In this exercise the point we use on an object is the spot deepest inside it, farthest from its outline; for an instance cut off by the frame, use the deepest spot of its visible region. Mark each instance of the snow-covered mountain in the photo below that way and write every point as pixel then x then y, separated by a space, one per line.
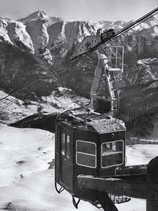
pixel 40 34
pixel 14 32
pixel 34 52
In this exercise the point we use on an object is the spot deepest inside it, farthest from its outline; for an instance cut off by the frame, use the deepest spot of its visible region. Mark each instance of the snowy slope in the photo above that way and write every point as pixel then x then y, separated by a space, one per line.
pixel 27 184
pixel 23 151
pixel 13 109
pixel 25 180
pixel 141 154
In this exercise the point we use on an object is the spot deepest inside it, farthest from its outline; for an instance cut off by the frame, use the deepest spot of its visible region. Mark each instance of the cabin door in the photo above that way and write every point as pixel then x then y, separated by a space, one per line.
pixel 66 158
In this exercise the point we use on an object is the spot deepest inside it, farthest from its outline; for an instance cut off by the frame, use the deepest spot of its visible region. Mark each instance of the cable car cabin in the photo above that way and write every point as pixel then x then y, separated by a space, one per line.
pixel 87 144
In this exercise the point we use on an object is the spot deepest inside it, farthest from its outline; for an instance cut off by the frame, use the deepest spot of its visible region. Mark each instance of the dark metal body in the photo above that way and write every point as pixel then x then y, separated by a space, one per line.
pixel 100 184
pixel 66 168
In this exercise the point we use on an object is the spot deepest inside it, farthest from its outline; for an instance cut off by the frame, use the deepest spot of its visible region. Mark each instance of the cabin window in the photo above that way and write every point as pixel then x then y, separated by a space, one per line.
pixel 112 153
pixel 65 145
pixel 86 154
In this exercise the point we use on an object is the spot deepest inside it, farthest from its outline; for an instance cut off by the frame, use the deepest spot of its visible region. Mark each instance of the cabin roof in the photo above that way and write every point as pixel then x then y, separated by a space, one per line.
pixel 102 126
pixel 100 123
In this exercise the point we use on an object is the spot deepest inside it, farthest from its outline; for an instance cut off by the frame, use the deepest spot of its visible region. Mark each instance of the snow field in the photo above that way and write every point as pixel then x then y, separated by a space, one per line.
pixel 26 183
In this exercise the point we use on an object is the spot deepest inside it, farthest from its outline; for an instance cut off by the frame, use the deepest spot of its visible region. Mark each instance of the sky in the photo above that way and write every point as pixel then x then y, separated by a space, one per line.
pixel 92 10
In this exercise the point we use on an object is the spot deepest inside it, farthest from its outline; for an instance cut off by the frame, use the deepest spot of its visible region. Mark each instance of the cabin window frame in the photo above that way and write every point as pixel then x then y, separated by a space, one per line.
pixel 94 155
pixel 112 153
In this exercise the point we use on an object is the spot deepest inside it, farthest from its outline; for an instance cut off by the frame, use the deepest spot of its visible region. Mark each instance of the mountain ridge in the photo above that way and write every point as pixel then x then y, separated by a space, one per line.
pixel 37 47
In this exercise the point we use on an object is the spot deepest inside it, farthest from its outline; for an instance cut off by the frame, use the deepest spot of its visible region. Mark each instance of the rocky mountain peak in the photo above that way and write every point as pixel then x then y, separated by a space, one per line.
pixel 39 15
pixel 3 31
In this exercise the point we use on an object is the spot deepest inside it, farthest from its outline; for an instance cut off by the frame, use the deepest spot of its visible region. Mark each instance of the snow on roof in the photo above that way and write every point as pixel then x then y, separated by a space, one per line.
pixel 107 125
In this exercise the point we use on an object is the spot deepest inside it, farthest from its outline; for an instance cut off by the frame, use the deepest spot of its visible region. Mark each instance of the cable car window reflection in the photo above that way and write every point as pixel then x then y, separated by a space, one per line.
pixel 68 153
pixel 86 154
pixel 112 153
pixel 63 145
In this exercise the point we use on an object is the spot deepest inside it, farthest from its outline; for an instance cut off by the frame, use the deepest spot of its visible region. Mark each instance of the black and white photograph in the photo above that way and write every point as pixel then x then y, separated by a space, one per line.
pixel 79 105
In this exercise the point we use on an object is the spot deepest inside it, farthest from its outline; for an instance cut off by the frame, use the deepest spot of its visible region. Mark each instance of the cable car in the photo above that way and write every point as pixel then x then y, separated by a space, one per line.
pixel 87 144
pixel 92 145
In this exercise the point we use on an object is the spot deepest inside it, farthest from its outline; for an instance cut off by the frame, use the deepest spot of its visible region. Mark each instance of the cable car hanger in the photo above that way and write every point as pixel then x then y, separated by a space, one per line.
pixel 92 44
